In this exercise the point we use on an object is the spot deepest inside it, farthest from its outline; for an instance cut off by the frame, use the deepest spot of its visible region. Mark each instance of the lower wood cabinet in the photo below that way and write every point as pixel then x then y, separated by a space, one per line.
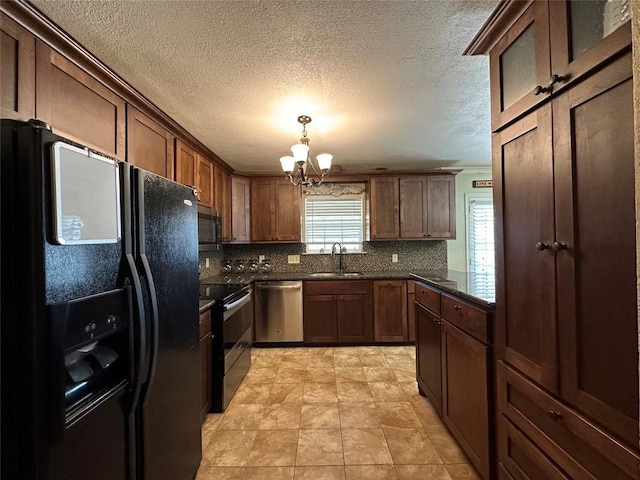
pixel 465 394
pixel 390 310
pixel 205 361
pixel 429 355
pixel 453 370
pixel 337 312
pixel 521 458
pixel 562 437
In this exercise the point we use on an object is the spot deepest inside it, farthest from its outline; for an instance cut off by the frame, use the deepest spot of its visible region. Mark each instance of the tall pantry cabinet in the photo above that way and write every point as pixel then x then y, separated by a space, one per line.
pixel 566 311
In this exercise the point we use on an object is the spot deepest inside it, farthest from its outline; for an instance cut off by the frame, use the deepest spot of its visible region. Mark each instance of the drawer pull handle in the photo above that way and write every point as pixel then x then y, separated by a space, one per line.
pixel 555 415
pixel 457 308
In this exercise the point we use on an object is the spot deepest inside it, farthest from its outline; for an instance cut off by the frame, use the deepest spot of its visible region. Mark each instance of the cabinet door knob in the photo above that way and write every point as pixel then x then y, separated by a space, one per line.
pixel 542 246
pixel 555 78
pixel 457 308
pixel 555 415
pixel 557 246
pixel 540 89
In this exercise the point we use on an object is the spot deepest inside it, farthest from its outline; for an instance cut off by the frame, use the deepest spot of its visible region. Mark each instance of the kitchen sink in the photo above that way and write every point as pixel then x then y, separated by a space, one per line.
pixel 335 274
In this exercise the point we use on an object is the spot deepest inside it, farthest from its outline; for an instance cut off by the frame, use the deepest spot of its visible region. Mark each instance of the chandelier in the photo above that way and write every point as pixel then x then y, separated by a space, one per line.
pixel 294 167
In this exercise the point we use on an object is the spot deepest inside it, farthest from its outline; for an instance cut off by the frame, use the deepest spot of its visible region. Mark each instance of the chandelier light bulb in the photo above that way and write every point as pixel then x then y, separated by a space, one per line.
pixel 324 161
pixel 300 152
pixel 288 164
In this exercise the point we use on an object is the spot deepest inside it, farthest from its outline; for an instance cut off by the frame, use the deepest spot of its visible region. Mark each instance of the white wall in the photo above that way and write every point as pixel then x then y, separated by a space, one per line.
pixel 457 249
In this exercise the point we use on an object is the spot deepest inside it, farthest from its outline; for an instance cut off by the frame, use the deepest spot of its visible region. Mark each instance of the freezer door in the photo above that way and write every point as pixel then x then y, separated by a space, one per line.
pixel 167 257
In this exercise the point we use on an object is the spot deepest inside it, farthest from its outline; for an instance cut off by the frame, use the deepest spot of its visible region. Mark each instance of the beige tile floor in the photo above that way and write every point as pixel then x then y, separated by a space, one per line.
pixel 343 413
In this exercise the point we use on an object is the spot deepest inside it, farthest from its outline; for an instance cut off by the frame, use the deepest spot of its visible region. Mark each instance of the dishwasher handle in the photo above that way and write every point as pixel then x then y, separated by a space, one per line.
pixel 278 287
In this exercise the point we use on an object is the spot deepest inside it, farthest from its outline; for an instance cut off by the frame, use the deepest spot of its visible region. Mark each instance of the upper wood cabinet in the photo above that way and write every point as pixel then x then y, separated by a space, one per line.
pixel 222 192
pixel 548 45
pixel 240 209
pixel 18 79
pixel 186 164
pixel 205 182
pixel 79 107
pixel 413 207
pixel 149 145
pixel 275 211
pixel 385 208
pixel 390 311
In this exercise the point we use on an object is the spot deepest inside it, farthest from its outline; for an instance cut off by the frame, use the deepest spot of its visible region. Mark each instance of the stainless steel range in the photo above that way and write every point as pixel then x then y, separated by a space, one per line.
pixel 231 328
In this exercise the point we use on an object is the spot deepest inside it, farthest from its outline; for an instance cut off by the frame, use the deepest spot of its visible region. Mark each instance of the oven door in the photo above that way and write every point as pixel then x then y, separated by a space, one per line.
pixel 238 319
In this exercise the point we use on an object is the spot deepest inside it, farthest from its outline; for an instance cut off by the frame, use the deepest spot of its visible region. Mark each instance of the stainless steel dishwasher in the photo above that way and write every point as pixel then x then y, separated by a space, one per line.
pixel 278 317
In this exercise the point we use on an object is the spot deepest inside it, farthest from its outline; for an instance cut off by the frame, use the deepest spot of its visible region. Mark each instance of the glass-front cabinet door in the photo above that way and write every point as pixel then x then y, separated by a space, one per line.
pixel 520 66
pixel 584 34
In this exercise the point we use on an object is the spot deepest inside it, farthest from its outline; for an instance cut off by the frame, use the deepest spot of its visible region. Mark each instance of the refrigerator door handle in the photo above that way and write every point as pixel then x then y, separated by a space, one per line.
pixel 155 320
pixel 142 345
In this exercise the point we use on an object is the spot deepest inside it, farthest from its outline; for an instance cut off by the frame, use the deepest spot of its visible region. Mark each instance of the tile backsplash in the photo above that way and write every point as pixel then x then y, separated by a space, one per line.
pixel 412 255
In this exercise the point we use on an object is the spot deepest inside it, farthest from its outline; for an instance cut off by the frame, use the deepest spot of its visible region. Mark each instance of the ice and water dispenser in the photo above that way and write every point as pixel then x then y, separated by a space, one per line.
pixel 91 353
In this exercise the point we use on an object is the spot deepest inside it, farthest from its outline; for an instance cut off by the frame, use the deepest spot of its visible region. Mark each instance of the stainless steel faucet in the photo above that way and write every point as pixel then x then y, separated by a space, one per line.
pixel 333 254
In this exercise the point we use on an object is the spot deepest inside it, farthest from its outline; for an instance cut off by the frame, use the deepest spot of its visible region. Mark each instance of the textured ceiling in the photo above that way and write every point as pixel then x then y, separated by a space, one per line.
pixel 384 81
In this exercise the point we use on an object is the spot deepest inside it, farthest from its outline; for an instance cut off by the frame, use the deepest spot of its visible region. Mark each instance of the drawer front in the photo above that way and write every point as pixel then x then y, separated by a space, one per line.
pixel 332 287
pixel 520 458
pixel 470 319
pixel 427 297
pixel 580 448
pixel 205 323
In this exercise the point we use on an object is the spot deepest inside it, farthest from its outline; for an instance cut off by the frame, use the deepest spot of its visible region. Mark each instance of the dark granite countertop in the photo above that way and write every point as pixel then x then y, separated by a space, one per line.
pixel 467 285
pixel 470 286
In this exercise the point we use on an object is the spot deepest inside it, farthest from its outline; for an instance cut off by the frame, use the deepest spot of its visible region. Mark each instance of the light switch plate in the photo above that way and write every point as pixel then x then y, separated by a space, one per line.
pixel 394 257
pixel 293 258
pixel 260 258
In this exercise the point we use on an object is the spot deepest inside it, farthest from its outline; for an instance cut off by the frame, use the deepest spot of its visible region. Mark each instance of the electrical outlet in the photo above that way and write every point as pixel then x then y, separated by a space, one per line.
pixel 260 258
pixel 206 262
pixel 394 257
pixel 293 258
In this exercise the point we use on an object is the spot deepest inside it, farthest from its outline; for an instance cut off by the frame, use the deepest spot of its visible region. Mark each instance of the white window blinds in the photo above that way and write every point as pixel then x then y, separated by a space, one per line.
pixel 329 219
pixel 481 246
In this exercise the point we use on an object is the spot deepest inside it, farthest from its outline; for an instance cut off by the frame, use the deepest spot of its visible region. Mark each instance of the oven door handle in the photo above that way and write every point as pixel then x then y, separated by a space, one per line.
pixel 233 307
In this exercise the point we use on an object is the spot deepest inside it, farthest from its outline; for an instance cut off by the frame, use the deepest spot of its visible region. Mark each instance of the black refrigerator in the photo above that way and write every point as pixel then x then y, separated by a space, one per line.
pixel 100 368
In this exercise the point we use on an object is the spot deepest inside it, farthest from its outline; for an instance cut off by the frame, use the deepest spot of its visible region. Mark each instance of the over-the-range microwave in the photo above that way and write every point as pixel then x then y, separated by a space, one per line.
pixel 209 229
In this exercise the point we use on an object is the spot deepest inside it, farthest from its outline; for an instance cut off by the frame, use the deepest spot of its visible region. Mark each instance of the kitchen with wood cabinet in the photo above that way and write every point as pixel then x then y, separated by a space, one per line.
pixel 562 131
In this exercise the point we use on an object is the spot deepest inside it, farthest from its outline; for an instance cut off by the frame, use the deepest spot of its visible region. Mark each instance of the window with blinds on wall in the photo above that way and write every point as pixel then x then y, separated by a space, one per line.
pixel 329 219
pixel 480 244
